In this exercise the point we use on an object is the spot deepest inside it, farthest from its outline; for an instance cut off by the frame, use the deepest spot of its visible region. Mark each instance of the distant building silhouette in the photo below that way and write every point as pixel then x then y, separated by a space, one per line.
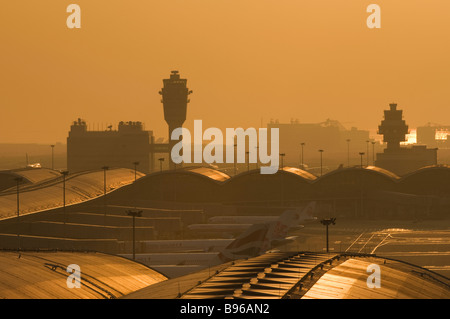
pixel 90 150
pixel 87 150
pixel 397 159
pixel 434 135
pixel 329 135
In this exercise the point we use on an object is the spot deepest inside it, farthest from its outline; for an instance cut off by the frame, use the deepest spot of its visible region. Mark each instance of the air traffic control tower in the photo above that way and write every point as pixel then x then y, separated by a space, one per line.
pixel 393 127
pixel 396 158
pixel 175 99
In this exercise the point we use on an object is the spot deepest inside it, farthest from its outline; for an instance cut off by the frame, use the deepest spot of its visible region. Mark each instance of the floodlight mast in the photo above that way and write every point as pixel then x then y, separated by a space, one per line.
pixel 134 214
pixel 327 222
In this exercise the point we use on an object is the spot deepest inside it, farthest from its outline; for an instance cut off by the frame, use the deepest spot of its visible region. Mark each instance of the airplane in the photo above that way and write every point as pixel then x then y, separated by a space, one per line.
pixel 211 245
pixel 233 224
pixel 219 228
pixel 188 245
pixel 241 219
pixel 254 241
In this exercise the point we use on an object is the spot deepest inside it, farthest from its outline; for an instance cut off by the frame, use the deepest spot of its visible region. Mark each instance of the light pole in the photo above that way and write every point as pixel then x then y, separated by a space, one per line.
pixel 248 160
pixel 53 157
pixel 134 214
pixel 321 152
pixel 361 154
pixel 373 153
pixel 327 222
pixel 303 166
pixel 161 160
pixel 64 174
pixel 18 181
pixel 348 152
pixel 282 161
pixel 234 159
pixel 105 168
pixel 367 152
pixel 135 169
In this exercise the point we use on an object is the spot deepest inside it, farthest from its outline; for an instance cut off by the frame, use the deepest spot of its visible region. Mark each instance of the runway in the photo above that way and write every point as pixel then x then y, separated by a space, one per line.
pixel 426 244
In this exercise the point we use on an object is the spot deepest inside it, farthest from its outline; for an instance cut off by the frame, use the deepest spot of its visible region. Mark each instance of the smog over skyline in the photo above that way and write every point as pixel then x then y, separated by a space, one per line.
pixel 192 150
pixel 249 61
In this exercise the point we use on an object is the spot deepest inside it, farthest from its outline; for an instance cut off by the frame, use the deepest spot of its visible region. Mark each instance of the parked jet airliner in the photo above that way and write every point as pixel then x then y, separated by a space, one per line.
pixel 256 240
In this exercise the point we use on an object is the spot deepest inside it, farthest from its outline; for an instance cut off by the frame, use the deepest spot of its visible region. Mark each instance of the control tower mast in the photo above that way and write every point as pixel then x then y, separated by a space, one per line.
pixel 175 99
pixel 393 127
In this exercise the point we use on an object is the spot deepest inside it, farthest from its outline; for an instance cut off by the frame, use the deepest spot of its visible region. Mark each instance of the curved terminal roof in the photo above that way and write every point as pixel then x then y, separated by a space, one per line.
pixel 432 170
pixel 304 174
pixel 347 182
pixel 43 275
pixel 383 171
pixel 35 175
pixel 269 276
pixel 187 184
pixel 290 171
pixel 440 167
pixel 205 184
pixel 368 170
pixel 252 186
pixel 208 172
pixel 30 176
pixel 397 281
pixel 432 180
pixel 294 275
pixel 79 187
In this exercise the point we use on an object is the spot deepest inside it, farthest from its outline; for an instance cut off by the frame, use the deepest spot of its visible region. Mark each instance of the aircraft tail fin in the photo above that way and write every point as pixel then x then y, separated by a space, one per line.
pixel 289 219
pixel 259 238
pixel 247 244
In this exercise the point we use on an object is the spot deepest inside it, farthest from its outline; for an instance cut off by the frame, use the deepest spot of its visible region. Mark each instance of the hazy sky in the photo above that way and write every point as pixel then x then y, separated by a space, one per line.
pixel 245 60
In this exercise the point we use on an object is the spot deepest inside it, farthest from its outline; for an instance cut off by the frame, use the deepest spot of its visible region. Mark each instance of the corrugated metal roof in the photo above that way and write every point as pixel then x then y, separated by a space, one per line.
pixel 209 172
pixel 429 168
pixel 398 281
pixel 383 171
pixel 79 187
pixel 365 170
pixel 29 175
pixel 269 276
pixel 304 174
pixel 42 275
pixel 172 288
pixel 35 175
pixel 303 274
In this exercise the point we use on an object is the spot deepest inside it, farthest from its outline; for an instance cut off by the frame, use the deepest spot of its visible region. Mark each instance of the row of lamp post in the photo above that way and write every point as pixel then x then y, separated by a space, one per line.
pixel 362 153
pixel 348 155
pixel 65 173
pixel 282 155
pixel 136 213
pixel 161 160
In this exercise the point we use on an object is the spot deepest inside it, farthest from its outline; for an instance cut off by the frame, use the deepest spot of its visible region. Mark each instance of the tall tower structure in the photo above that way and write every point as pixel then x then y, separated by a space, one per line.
pixel 397 159
pixel 393 127
pixel 175 99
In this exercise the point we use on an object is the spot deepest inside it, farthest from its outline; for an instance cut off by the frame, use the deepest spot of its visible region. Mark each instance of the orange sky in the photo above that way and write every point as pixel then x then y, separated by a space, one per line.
pixel 244 60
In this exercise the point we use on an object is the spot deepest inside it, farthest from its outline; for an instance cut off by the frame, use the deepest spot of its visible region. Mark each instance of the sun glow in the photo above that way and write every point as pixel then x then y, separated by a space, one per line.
pixel 411 138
